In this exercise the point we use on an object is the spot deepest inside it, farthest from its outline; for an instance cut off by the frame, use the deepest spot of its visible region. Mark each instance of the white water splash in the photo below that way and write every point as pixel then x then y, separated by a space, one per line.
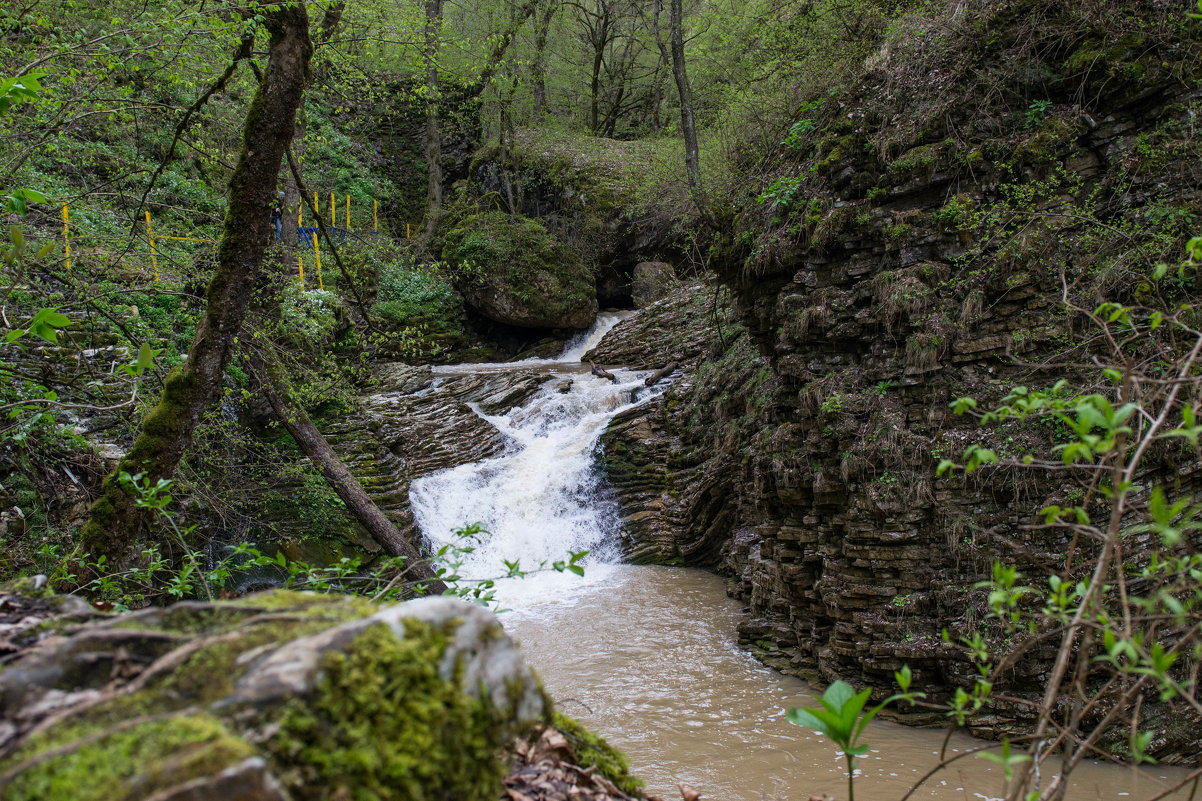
pixel 577 346
pixel 543 498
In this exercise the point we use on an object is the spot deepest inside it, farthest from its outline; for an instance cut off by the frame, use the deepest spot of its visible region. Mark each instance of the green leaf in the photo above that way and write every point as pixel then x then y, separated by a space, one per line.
pixel 903 678
pixel 837 695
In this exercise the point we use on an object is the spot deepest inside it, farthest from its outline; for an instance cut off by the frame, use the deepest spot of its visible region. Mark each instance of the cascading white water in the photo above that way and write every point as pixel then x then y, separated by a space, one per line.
pixel 646 656
pixel 542 499
pixel 577 346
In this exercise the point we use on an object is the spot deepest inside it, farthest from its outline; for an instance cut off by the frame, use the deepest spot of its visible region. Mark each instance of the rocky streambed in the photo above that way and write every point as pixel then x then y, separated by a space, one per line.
pixel 650 656
pixel 287 696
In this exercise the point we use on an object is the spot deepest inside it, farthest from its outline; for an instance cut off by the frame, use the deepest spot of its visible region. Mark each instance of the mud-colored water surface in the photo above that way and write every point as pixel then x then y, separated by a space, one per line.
pixel 646 656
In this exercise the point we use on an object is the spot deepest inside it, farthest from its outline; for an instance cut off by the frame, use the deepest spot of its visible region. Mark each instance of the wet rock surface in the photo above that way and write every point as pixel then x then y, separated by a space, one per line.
pixel 261 698
pixel 675 328
pixel 418 422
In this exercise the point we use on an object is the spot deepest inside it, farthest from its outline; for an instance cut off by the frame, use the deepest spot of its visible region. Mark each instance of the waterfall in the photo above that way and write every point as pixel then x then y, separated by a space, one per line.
pixel 576 347
pixel 544 497
pixel 647 655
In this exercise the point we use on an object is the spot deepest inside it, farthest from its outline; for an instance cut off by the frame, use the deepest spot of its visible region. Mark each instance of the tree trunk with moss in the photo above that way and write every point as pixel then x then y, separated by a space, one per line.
pixel 538 72
pixel 433 139
pixel 191 389
pixel 358 503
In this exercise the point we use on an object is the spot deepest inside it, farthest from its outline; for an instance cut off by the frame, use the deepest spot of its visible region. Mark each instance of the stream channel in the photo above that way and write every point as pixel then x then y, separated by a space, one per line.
pixel 647 656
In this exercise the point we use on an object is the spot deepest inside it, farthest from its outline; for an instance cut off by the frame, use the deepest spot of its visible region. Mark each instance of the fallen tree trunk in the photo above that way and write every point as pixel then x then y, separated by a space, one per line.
pixel 602 372
pixel 660 374
pixel 343 482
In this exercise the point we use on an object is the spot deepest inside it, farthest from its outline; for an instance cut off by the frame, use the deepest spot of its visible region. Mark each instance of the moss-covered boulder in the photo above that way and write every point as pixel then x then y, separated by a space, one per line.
pixel 512 270
pixel 275 696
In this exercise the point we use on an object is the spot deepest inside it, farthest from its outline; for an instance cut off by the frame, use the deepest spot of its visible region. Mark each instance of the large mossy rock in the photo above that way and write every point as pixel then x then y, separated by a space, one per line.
pixel 272 697
pixel 512 270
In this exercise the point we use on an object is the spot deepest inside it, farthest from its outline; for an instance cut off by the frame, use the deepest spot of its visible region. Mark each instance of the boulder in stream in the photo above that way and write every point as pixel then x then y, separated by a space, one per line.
pixel 512 270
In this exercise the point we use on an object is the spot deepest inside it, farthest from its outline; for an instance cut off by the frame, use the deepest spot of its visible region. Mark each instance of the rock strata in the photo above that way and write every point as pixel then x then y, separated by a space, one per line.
pixel 419 422
pixel 797 453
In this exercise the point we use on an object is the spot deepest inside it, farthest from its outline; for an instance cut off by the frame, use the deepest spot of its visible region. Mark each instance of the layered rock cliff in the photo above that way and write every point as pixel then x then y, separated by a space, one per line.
pixel 914 244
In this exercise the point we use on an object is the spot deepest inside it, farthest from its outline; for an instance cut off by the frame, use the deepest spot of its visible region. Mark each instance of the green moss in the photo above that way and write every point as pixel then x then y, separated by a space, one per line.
pixel 1102 61
pixel 384 725
pixel 210 673
pixel 593 750
pixel 127 764
pixel 837 152
pixel 1046 142
pixel 519 261
pixel 917 161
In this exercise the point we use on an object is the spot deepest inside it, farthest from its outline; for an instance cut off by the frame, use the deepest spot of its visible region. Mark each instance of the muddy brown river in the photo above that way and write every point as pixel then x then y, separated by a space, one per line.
pixel 646 656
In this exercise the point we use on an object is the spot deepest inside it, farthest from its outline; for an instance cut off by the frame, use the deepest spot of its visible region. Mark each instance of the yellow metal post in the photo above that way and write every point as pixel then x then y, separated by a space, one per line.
pixel 317 254
pixel 154 260
pixel 316 208
pixel 347 219
pixel 300 267
pixel 66 237
pixel 406 230
pixel 375 216
pixel 333 211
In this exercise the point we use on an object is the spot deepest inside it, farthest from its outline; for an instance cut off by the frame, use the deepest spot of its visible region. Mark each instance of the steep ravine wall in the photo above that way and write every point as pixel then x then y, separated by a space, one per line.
pixel 918 258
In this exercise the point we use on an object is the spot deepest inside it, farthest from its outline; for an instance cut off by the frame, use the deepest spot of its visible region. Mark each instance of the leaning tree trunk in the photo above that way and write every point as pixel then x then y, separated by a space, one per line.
pixel 357 501
pixel 190 389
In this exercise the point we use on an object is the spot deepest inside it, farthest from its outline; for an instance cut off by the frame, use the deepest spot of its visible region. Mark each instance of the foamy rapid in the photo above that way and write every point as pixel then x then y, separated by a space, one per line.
pixel 577 346
pixel 543 498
